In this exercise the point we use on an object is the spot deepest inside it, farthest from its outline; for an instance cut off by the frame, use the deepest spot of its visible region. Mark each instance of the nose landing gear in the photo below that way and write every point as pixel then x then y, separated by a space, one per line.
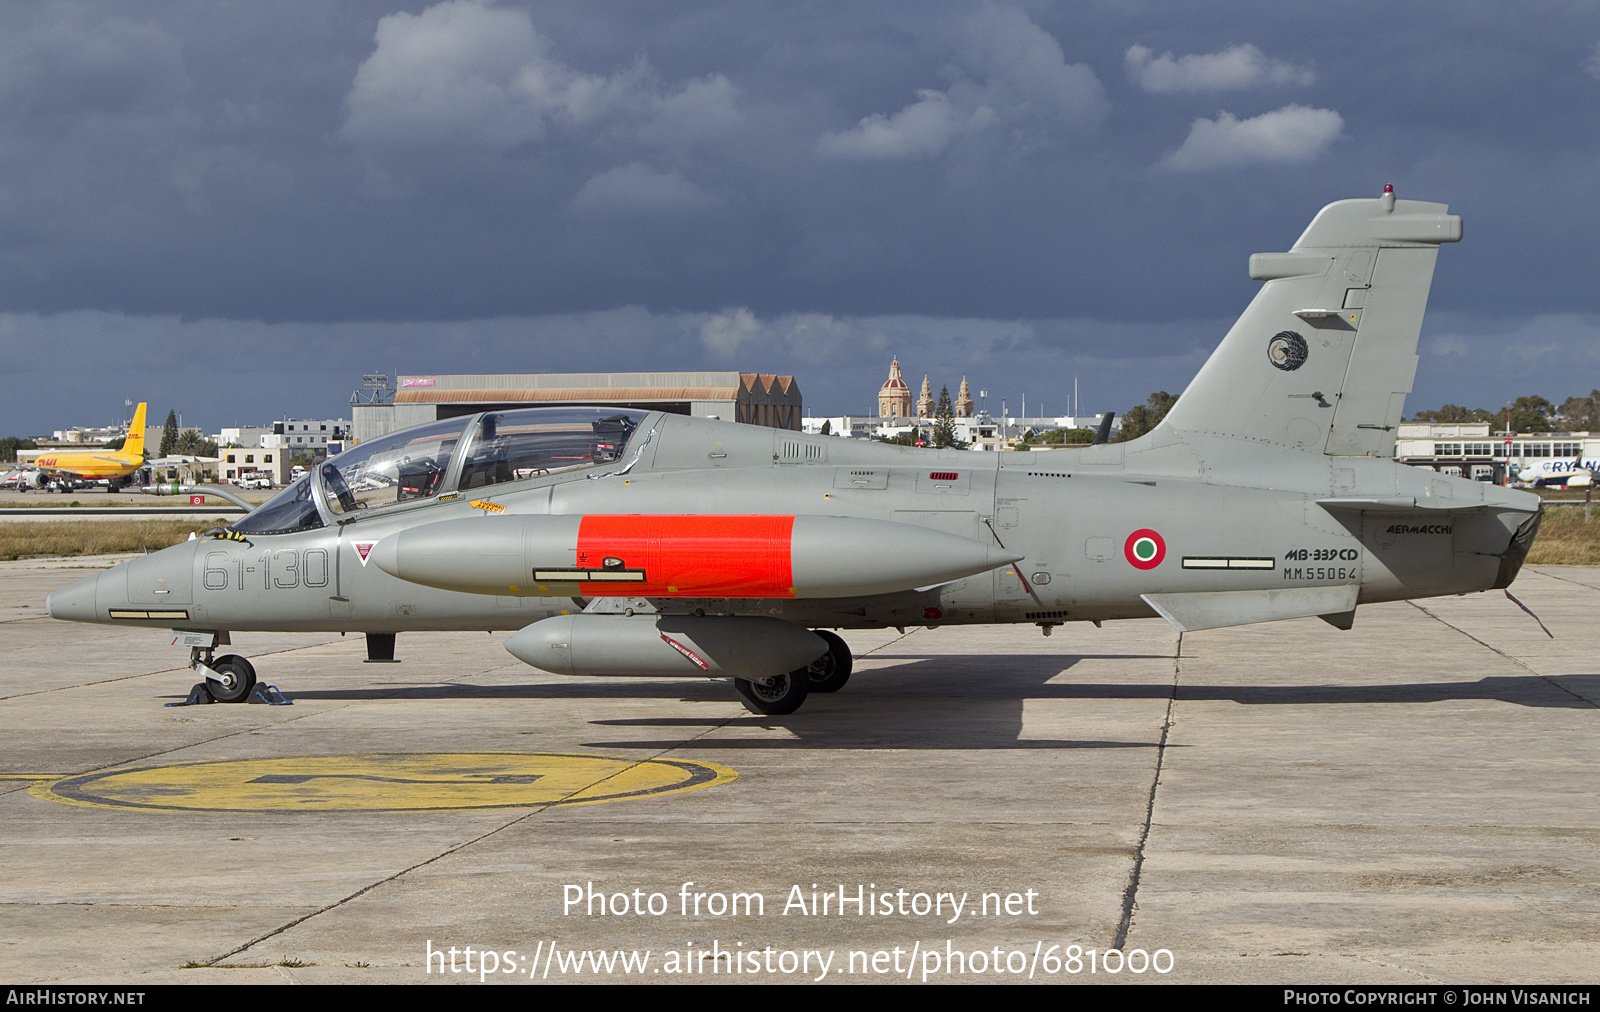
pixel 229 678
pixel 234 678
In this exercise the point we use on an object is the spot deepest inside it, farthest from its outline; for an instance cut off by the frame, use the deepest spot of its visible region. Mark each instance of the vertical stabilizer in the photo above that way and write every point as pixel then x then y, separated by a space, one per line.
pixel 134 444
pixel 1325 353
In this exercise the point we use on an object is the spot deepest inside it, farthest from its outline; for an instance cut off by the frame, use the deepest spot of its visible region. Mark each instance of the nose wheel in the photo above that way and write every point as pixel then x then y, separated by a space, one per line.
pixel 238 677
pixel 228 679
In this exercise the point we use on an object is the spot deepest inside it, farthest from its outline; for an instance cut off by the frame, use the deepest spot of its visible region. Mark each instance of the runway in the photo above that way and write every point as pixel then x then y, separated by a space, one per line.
pixel 120 513
pixel 1408 802
pixel 101 505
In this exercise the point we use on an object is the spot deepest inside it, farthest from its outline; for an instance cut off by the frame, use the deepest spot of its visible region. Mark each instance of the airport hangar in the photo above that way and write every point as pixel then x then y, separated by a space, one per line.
pixel 753 398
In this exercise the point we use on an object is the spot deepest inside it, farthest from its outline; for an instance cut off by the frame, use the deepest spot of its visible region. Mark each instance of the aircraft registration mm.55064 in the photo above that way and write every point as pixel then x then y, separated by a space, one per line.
pixel 114 467
pixel 621 542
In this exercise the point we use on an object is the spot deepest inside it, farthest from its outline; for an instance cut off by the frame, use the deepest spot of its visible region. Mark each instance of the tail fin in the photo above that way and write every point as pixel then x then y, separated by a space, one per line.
pixel 134 444
pixel 1324 356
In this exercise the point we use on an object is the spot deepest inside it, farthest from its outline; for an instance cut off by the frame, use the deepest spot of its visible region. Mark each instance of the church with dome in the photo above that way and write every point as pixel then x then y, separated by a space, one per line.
pixel 894 398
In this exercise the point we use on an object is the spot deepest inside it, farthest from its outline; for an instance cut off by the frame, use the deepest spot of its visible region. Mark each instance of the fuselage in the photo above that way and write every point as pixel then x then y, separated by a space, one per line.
pixel 1099 529
pixel 93 466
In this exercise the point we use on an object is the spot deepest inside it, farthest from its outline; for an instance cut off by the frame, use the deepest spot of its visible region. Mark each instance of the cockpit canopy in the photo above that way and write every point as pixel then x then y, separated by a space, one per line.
pixel 466 453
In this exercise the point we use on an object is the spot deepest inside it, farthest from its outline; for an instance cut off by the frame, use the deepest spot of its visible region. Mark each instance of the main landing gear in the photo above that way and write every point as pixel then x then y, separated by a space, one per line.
pixel 829 672
pixel 781 694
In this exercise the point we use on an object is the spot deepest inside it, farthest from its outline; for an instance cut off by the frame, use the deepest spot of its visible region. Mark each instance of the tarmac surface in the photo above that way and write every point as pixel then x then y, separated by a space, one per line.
pixel 1409 802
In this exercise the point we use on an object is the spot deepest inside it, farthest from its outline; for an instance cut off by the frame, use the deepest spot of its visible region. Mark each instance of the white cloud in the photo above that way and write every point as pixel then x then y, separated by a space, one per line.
pixel 814 339
pixel 700 109
pixel 727 332
pixel 1025 70
pixel 1009 70
pixel 1294 133
pixel 1242 66
pixel 921 130
pixel 821 338
pixel 467 71
pixel 636 188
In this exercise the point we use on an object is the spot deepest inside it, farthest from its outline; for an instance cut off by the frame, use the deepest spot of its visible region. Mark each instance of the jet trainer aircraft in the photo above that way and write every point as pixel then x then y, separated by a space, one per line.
pixel 115 467
pixel 623 542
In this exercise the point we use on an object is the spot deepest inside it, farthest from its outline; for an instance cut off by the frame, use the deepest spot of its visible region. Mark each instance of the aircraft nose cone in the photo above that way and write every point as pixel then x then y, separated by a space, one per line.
pixel 74 603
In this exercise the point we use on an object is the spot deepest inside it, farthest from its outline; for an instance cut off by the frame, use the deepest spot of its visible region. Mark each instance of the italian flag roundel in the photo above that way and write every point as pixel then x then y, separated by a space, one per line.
pixel 1144 549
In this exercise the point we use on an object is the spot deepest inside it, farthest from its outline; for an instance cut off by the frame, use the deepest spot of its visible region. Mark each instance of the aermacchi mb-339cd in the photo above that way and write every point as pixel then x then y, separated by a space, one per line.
pixel 627 542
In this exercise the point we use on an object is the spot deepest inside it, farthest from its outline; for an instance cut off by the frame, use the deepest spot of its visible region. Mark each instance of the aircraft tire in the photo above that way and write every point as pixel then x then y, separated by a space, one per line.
pixel 238 678
pixel 780 695
pixel 830 671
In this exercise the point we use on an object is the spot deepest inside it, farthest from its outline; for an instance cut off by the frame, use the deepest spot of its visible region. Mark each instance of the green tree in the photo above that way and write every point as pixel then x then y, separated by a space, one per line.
pixel 1454 413
pixel 1144 417
pixel 169 434
pixel 1068 437
pixel 10 445
pixel 944 423
pixel 1531 414
pixel 195 445
pixel 115 444
pixel 827 427
pixel 1581 414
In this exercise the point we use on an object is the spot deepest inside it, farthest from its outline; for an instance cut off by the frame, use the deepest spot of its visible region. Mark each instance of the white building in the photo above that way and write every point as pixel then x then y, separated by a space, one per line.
pixel 93 436
pixel 242 435
pixel 299 435
pixel 846 426
pixel 1472 450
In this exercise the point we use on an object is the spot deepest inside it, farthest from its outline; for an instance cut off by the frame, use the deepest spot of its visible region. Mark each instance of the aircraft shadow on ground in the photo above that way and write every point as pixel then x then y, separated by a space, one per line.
pixel 965 702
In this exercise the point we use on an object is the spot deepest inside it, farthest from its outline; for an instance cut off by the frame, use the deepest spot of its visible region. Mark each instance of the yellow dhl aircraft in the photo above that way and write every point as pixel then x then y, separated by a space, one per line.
pixel 112 466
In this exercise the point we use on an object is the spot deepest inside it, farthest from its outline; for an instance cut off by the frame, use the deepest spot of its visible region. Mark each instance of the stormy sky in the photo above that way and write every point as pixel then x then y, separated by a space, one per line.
pixel 237 209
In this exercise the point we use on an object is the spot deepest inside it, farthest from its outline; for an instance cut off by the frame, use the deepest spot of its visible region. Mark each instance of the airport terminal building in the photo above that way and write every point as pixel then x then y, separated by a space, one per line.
pixel 753 398
pixel 1471 450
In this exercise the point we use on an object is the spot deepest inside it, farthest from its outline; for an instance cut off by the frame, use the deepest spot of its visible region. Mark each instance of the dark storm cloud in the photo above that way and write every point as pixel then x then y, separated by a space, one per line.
pixel 306 191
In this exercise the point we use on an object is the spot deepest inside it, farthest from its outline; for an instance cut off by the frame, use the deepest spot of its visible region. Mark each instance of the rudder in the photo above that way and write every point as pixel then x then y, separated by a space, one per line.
pixel 134 444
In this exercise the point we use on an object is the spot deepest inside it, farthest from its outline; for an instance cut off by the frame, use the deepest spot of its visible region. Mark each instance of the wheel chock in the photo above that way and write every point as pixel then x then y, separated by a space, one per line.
pixel 198 696
pixel 269 695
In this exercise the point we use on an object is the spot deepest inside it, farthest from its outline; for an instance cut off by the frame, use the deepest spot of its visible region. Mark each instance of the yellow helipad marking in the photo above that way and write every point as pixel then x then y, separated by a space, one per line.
pixel 397 782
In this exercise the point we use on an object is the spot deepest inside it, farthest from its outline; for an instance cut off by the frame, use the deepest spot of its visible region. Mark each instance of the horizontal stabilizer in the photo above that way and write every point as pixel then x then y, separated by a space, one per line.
pixel 1216 609
pixel 1391 503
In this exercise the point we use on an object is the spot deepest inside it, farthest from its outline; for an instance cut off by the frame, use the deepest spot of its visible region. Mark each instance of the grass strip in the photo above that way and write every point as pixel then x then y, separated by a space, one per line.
pixel 29 538
pixel 1566 539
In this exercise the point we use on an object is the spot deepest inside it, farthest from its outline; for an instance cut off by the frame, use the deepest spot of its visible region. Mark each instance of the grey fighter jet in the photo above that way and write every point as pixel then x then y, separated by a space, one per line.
pixel 620 542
